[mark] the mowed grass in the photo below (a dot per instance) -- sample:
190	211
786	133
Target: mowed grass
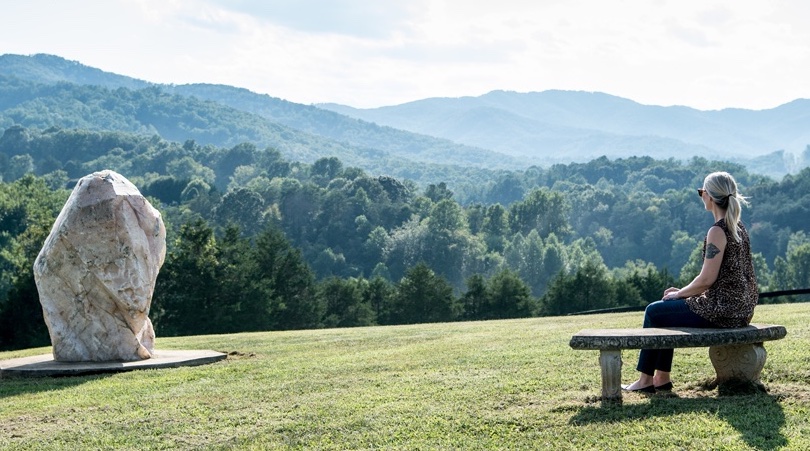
480	385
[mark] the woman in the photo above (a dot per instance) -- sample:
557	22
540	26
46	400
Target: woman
722	295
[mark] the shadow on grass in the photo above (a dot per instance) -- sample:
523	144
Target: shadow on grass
758	418
16	386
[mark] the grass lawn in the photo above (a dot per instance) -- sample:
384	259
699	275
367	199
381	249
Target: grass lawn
480	385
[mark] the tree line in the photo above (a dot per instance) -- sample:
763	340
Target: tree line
226	282
258	242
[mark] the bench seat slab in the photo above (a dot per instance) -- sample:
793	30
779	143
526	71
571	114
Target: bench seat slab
674	337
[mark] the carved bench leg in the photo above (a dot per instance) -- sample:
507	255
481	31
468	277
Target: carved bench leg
738	362
610	361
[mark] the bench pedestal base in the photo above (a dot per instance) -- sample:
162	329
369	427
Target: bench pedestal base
742	363
610	361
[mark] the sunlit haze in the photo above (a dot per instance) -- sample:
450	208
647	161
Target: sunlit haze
704	54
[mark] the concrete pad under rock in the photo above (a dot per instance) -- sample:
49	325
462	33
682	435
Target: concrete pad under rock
45	365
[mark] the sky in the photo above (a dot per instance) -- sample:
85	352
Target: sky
706	54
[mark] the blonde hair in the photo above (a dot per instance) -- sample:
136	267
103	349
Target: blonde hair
722	188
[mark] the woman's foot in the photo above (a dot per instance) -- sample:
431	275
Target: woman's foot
640	386
664	387
661	381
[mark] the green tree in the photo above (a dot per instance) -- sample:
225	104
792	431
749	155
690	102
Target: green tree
273	164
763	272
526	256
475	300
329	264
406	247
168	190
474	215
344	303
187	293
682	247
509	297
506	189
793	271
287	282
543	210
21	322
448	246
423	297
692	267
495	228
378	293
244	208
298	206
244	154
588	289
438	192
554	261
238	275
325	170
186	168
647	282
17	167
27	212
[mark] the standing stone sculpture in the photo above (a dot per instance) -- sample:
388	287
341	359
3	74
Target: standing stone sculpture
97	269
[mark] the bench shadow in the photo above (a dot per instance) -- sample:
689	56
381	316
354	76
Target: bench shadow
758	418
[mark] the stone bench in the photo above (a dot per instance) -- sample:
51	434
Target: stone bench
736	354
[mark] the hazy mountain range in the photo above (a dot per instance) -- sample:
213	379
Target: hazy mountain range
586	125
41	91
501	129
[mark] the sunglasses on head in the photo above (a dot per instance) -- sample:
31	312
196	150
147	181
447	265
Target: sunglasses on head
701	191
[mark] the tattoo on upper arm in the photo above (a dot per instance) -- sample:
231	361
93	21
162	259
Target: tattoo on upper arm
711	251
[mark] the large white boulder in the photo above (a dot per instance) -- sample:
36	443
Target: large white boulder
96	272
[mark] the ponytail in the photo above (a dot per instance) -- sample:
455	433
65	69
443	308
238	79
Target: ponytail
722	188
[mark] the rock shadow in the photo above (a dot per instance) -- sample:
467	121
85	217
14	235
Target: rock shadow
16	386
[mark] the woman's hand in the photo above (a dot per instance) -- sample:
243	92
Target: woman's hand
671	293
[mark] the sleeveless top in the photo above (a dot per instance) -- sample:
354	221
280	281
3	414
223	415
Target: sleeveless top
730	301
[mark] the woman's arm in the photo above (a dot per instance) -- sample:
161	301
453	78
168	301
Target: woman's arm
715	246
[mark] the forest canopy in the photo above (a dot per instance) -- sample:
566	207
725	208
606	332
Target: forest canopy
259	242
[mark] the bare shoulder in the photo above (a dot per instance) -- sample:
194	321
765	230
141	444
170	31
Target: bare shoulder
716	234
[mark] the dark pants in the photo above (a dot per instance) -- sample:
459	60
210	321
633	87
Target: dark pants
674	313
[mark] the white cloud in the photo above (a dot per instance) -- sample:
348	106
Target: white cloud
706	54
359	18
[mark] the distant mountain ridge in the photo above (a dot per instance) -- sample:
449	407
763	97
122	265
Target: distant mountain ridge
592	124
44	68
304	132
342	128
498	130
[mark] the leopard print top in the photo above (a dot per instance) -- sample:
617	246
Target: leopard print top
730	301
